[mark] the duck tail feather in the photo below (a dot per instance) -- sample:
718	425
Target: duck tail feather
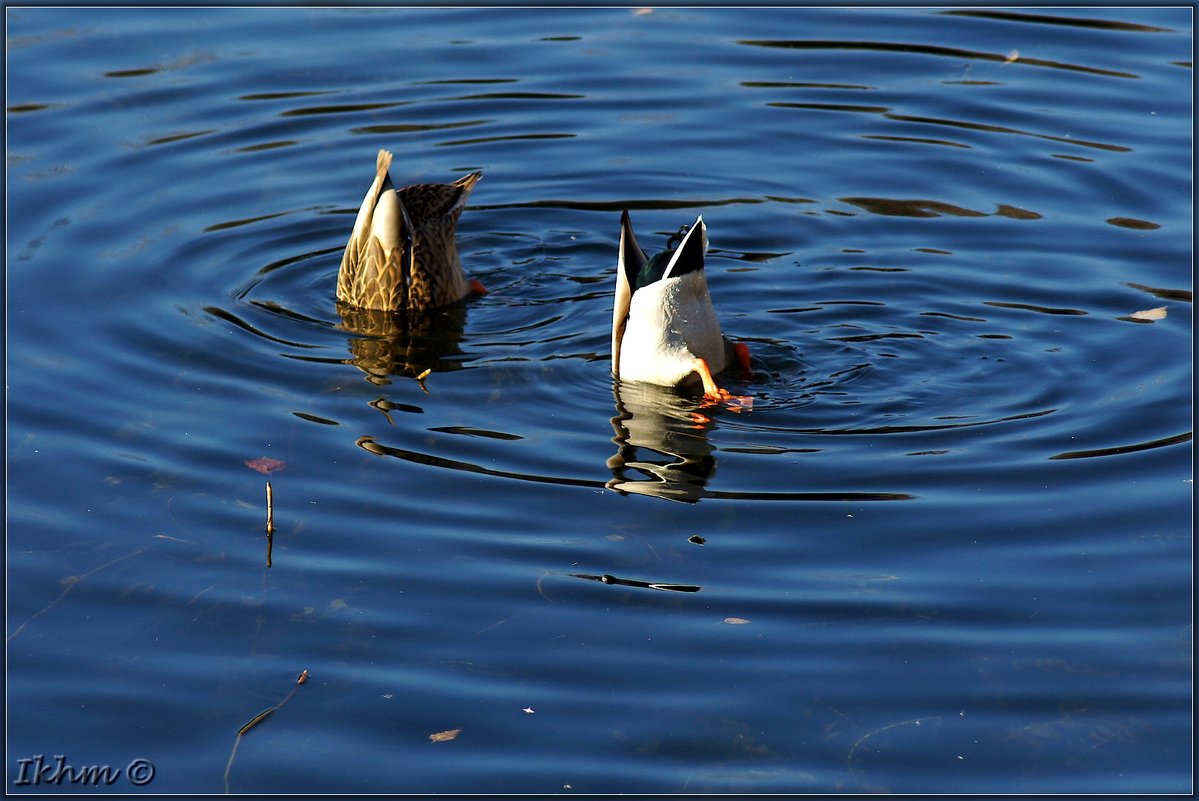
632	257
629	261
689	257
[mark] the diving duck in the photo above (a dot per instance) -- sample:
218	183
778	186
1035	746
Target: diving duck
401	255
664	329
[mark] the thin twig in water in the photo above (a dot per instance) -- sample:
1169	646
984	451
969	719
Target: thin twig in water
540	591
493	625
71	581
261	716
270	522
868	735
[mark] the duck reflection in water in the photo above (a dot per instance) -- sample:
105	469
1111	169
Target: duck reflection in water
662	446
401	284
386	344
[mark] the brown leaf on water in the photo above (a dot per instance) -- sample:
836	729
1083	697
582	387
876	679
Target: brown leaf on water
1150	314
735	621
265	464
444	736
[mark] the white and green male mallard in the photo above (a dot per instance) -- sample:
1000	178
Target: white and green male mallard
402	255
664	328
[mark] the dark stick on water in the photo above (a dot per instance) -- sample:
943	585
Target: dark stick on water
261	716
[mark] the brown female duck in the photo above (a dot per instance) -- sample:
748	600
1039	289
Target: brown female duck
401	255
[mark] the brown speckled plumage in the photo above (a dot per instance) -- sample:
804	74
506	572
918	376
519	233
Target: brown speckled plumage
402	255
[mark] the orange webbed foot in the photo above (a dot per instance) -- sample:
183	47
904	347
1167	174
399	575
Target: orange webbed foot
734	403
476	288
714	395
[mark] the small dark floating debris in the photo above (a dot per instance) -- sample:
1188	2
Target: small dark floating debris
649	585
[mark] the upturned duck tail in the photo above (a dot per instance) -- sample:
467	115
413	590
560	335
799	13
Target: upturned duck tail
371	274
436	277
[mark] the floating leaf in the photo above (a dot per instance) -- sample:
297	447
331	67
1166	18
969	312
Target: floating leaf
1150	314
444	736
265	464
735	621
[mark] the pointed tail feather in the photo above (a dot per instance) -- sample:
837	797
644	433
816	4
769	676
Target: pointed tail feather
629	261
690	255
467	182
383	162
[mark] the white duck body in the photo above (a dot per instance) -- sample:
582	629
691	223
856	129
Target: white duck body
661	329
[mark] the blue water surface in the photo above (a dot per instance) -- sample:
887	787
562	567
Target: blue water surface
947	550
